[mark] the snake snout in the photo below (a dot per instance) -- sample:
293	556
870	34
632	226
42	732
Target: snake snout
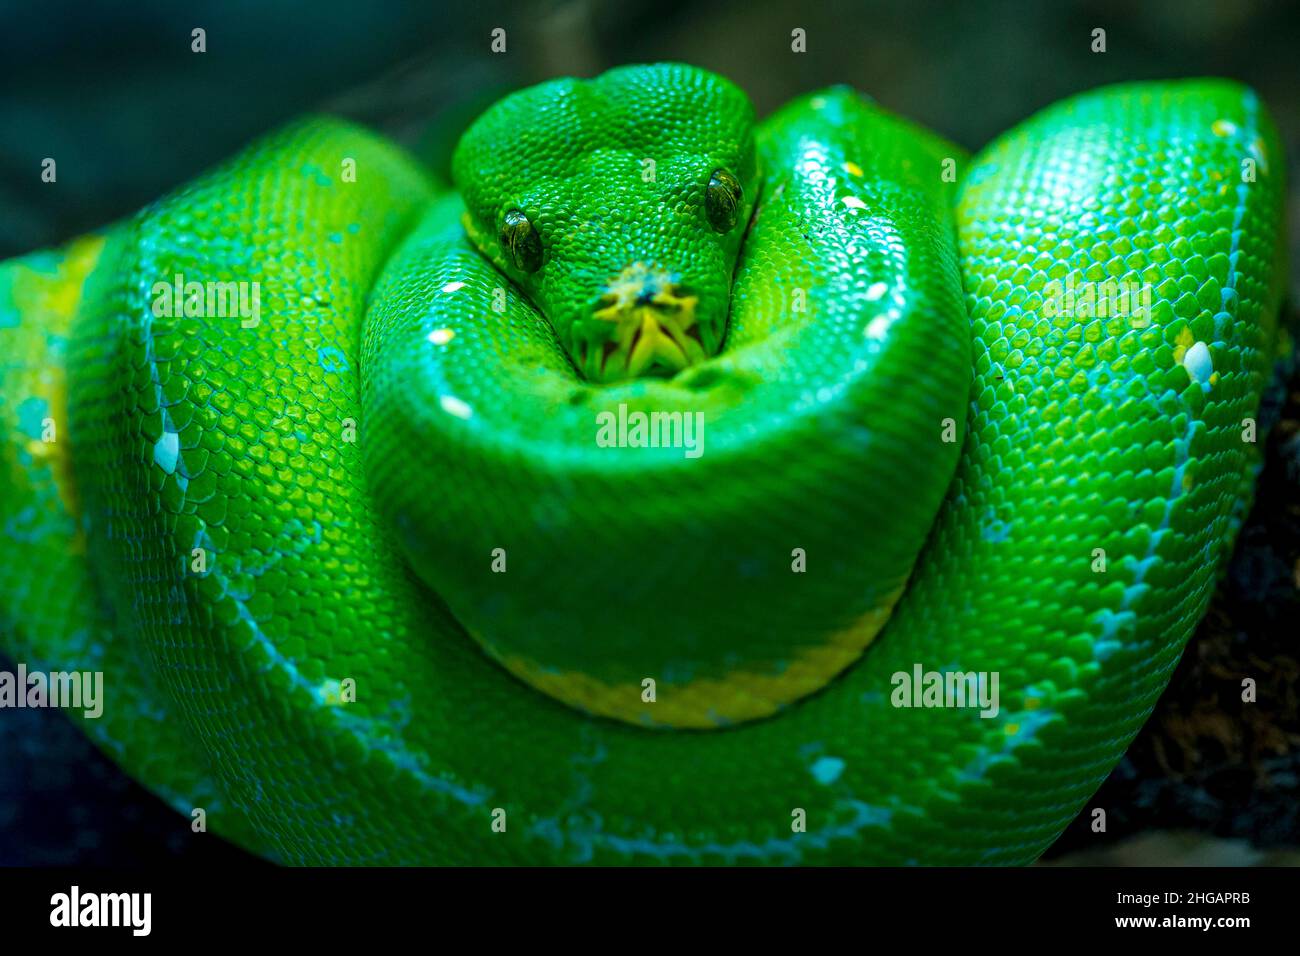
648	325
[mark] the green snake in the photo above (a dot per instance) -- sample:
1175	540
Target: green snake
602	508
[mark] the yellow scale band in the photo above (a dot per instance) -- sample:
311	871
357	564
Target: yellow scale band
48	302
711	702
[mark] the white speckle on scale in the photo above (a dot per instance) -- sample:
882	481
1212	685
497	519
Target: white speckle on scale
166	451
827	770
853	202
454	406
442	336
876	291
1199	364
878	327
453	286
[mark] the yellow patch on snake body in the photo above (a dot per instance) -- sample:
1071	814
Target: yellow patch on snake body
49	303
709	703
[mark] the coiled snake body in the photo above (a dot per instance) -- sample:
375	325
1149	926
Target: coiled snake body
368	584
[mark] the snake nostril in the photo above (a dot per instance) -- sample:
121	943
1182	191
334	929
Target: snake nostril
665	296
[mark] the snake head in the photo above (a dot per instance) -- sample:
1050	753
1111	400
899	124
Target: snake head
618	206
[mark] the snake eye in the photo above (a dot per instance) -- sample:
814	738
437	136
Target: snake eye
722	200
521	242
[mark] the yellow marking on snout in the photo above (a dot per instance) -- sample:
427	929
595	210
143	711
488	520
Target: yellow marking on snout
645	336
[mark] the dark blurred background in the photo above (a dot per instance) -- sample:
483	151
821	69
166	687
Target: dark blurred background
114	94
